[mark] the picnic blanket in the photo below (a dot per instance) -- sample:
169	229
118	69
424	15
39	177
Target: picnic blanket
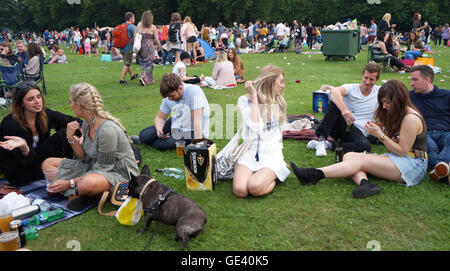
297	127
37	190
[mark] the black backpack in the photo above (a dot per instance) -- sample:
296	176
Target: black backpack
174	32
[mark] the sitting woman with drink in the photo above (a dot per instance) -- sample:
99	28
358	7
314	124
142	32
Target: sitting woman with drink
103	153
26	141
263	112
405	137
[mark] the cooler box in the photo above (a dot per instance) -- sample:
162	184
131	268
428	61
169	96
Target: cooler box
199	165
320	101
424	61
106	58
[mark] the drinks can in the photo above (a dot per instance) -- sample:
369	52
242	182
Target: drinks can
17	225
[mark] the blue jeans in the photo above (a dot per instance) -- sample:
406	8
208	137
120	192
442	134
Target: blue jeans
412	54
438	147
149	136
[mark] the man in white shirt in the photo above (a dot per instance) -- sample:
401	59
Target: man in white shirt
279	30
180	69
351	106
189	110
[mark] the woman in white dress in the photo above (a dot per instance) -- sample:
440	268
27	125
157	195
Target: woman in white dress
263	112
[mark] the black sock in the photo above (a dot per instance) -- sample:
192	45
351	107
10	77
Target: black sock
364	181
307	175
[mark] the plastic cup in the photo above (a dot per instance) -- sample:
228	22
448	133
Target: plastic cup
4	222
9	241
49	175
180	148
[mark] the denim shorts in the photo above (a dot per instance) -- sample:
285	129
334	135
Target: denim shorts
413	170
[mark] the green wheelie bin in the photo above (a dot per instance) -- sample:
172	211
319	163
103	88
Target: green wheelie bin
341	43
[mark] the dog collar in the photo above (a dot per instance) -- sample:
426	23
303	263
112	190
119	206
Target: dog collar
145	187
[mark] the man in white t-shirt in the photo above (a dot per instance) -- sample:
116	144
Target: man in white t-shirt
279	30
189	110
350	107
180	69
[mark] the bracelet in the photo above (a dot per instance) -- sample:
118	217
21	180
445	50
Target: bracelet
382	137
71	142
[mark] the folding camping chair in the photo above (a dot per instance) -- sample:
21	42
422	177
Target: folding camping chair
40	79
384	64
10	77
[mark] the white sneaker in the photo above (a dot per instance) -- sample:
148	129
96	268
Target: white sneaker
320	149
312	144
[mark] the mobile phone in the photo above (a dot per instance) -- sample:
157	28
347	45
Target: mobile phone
78	133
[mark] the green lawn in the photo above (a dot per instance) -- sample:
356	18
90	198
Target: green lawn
292	217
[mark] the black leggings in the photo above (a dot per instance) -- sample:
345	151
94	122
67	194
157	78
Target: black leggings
333	124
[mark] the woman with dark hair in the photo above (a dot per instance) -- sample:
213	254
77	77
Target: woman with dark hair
237	64
26	140
403	133
33	67
58	55
415	46
380	52
417	24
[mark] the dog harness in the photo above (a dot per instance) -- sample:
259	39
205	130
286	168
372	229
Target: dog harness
155	209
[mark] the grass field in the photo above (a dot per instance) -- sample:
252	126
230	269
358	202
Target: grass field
292	217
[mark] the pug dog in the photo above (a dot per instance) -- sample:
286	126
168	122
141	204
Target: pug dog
187	216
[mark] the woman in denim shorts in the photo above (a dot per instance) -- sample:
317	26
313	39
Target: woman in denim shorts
401	129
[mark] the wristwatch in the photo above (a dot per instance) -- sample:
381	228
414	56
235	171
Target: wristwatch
72	183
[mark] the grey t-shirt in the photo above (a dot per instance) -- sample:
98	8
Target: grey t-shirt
193	98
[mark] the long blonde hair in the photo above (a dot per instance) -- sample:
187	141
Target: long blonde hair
88	96
265	89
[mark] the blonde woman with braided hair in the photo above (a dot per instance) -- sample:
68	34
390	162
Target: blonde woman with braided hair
102	152
263	112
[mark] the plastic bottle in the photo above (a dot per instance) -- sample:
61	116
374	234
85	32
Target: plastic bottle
44	217
339	151
172	172
31	233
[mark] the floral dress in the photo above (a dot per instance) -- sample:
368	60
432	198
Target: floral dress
145	57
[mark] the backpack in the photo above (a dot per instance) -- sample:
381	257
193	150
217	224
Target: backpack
120	39
314	31
174	32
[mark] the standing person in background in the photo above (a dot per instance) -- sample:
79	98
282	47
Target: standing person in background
165	52
385	24
191	38
174	41
127	51
417	24
372	31
437	35
310	37
445	35
145	55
